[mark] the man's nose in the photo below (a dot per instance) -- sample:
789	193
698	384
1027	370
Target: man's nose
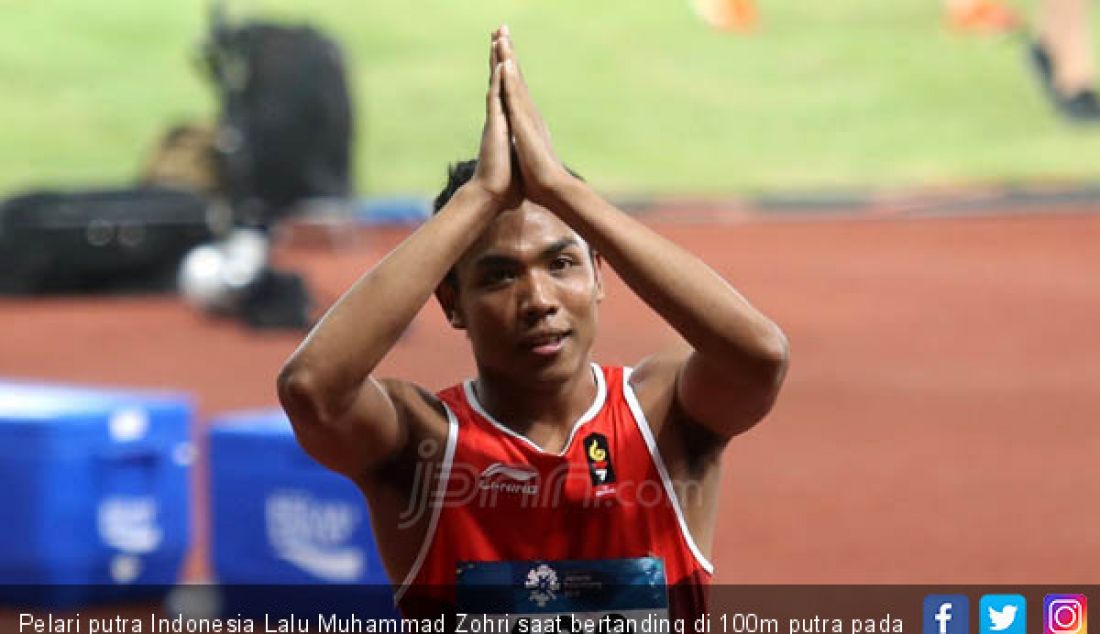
537	298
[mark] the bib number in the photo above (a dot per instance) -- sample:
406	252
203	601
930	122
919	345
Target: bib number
615	595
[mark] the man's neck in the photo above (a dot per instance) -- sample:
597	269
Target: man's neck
524	408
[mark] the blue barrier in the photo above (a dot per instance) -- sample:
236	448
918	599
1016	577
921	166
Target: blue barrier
281	518
96	485
278	516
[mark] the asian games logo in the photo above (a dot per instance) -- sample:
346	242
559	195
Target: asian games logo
542	581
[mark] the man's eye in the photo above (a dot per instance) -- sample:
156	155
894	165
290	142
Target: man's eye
560	263
496	277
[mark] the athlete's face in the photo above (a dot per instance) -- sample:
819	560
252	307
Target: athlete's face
527	295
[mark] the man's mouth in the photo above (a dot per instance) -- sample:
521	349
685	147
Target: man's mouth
547	343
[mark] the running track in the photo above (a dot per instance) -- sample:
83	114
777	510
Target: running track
940	422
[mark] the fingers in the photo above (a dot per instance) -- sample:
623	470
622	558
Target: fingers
514	83
524	121
494	54
515	131
508	95
493	161
494	106
515	98
517	101
501	33
506	49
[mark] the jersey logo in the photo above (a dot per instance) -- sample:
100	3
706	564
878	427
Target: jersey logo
510	479
598	453
518	472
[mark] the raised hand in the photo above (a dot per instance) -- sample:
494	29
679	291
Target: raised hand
540	169
495	174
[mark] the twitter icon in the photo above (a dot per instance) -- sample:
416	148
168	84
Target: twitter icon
1002	614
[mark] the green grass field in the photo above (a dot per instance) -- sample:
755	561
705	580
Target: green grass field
641	97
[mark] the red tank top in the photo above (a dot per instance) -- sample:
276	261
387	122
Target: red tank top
607	495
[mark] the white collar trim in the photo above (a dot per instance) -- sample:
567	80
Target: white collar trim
597	405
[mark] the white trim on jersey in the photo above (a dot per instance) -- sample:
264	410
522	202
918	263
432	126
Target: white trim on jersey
651	443
597	405
437	502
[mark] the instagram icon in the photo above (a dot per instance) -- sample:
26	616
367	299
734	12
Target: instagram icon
1065	614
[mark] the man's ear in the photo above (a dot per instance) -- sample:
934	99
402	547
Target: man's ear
448	300
597	271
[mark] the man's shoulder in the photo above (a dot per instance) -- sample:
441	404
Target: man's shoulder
424	425
416	406
654	378
654	381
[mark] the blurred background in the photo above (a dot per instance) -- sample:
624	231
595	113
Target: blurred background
643	98
899	184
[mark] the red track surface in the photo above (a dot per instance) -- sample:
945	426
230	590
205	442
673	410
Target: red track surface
940	423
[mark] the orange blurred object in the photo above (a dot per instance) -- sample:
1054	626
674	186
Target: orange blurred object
982	16
727	15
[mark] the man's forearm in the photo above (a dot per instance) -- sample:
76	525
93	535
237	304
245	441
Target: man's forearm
713	317
365	323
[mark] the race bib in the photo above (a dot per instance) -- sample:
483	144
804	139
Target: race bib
615	595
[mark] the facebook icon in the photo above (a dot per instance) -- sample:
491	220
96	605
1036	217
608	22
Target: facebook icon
946	614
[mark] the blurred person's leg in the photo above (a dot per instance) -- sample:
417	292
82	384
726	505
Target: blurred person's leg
981	16
1066	34
1064	58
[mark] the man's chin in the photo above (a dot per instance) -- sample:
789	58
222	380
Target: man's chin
561	369
541	371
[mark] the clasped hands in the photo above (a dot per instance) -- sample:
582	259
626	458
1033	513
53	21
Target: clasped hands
516	159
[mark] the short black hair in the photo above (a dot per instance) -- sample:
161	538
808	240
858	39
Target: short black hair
458	174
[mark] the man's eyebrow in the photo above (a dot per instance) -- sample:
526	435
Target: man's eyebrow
490	260
559	246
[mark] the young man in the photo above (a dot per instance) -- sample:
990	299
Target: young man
545	455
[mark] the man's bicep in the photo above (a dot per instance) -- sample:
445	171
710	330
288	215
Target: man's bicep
681	386
726	403
366	434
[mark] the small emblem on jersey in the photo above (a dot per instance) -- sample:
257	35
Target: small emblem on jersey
510	479
598	452
542	581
